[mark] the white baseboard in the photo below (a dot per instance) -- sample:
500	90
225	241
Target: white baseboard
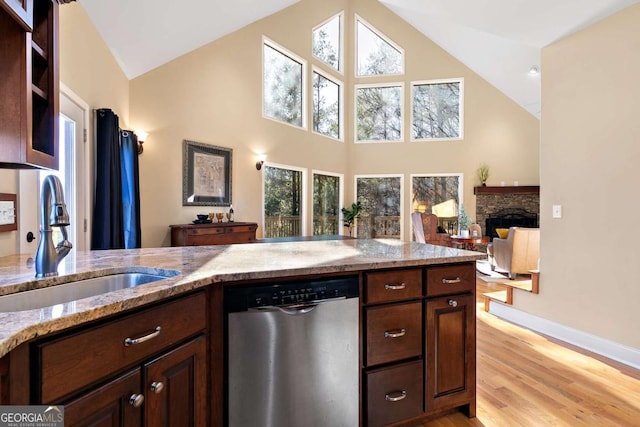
613	350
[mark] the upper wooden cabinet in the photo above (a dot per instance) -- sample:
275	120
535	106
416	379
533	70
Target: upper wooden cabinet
29	87
21	10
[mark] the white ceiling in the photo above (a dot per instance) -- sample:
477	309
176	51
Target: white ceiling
498	39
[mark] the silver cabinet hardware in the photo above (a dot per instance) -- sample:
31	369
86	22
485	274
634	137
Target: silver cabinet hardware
130	341
136	400
395	396
397	333
157	387
453	303
451	281
393	287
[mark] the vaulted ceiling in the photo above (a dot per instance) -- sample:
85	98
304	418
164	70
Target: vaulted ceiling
499	39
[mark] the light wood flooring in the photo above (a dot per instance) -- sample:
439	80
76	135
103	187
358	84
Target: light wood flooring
525	379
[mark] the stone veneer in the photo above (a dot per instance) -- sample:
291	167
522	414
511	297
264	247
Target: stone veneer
490	200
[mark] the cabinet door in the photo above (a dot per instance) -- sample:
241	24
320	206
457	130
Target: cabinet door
450	348
113	404
176	387
20	9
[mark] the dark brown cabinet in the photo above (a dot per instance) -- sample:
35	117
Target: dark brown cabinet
222	233
418	343
29	84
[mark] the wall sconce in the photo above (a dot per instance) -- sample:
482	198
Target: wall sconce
142	137
260	161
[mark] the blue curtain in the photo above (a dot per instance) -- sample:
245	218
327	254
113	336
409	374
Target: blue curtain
116	209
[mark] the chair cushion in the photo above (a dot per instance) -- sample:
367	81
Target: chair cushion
503	233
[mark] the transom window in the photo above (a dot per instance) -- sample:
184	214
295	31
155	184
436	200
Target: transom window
379	112
327	105
283	85
375	53
436	110
327	42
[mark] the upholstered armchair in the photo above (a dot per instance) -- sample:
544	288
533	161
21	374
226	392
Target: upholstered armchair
518	253
425	229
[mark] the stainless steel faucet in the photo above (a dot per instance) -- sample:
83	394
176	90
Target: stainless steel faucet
53	213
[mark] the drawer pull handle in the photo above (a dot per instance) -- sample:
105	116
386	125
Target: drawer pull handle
157	387
393	287
395	334
136	400
129	341
451	281
395	396
453	303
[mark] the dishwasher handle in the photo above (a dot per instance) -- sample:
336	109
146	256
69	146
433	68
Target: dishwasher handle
294	309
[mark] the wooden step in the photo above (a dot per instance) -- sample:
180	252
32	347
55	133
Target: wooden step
525	285
535	281
505	296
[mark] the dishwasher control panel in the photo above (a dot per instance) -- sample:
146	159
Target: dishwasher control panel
241	298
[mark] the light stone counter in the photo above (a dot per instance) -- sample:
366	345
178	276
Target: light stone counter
199	266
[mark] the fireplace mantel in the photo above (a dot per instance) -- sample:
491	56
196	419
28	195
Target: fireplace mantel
521	189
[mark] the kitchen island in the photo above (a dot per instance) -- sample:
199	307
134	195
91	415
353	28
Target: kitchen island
26	336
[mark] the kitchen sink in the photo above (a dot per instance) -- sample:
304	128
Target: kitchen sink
66	292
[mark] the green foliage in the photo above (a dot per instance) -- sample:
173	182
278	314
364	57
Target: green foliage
483	173
463	220
349	215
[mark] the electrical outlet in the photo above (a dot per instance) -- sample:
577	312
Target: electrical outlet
557	211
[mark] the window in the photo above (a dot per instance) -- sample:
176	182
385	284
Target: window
379	112
376	54
283	199
327	42
381	199
283	85
327	202
327	105
437	110
440	195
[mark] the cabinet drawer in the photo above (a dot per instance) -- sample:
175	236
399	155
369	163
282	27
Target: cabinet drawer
394	285
393	332
205	231
67	363
394	394
451	279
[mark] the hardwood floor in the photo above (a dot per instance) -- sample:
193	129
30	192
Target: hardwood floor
525	379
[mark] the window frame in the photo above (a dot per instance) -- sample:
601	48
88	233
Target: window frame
373	29
355	112
303	197
304	102
382	175
341	122
341	55
415	83
340	177
460	176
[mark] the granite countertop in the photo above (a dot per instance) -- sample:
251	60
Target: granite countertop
199	266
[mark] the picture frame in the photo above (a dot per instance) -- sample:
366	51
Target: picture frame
206	174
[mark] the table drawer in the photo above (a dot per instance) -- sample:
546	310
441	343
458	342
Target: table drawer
394	394
451	279
393	285
206	231
66	362
393	332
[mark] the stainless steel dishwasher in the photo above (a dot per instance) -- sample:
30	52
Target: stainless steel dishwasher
293	354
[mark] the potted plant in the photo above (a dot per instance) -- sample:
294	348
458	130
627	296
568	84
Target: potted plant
483	174
349	216
463	222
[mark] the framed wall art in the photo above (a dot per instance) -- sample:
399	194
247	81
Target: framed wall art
206	174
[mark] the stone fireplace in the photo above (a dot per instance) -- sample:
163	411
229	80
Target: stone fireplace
504	207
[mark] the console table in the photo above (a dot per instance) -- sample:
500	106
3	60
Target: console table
217	233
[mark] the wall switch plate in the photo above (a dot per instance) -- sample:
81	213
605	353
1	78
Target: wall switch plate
557	211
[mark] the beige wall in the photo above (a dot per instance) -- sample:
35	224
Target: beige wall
214	95
590	146
8	239
87	66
